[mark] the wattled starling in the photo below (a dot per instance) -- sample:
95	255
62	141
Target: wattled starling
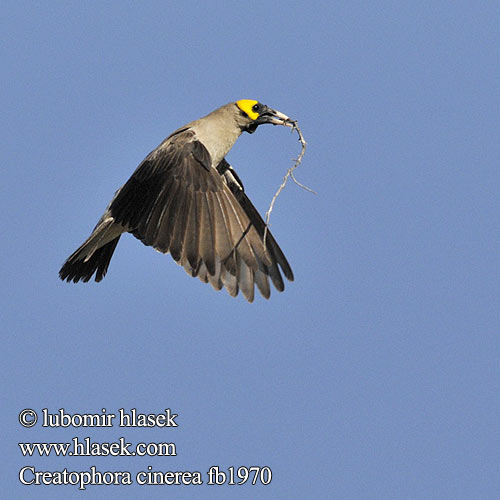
185	199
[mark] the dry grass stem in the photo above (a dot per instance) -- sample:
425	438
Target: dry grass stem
294	126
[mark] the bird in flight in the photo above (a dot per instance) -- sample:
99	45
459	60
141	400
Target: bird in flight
185	199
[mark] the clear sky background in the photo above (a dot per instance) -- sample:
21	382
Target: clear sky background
376	374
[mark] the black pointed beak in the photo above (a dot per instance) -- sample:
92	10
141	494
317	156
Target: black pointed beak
272	116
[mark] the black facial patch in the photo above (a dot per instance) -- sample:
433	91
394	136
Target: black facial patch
250	128
257	108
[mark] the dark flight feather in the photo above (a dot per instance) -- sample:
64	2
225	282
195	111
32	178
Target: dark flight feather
176	202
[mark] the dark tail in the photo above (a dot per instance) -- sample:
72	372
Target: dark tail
76	268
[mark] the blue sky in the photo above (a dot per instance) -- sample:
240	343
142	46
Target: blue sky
375	375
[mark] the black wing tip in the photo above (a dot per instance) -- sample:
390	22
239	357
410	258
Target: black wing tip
287	271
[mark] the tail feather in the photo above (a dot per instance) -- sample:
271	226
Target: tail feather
79	268
94	254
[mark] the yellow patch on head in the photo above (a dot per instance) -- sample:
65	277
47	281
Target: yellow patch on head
246	106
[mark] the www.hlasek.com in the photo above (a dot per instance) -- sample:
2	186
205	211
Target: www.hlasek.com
88	448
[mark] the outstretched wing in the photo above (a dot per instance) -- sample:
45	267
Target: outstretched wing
177	203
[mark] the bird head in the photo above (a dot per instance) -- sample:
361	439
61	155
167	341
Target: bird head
252	113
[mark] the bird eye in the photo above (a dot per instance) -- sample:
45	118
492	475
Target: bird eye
256	107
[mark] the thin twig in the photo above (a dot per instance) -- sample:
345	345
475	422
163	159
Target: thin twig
294	126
